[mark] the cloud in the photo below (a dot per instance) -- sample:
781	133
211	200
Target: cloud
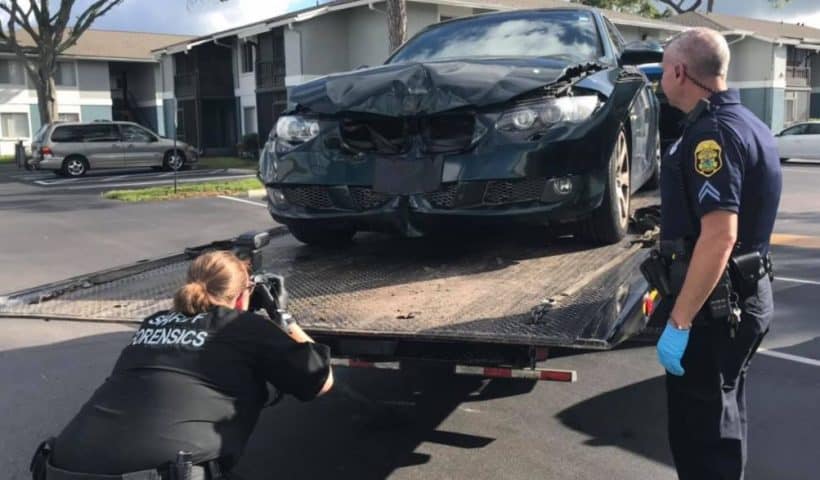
174	16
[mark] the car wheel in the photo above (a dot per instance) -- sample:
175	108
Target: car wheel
74	167
174	161
322	236
655	180
609	222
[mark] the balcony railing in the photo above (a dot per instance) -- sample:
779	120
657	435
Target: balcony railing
798	76
185	85
270	75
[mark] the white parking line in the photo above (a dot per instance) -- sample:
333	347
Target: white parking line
242	200
55	182
790	357
796	280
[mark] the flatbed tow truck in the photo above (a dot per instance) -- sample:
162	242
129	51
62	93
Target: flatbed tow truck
492	305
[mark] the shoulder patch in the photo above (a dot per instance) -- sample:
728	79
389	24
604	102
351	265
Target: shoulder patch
708	159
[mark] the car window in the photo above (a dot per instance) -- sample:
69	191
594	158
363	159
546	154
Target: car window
132	133
813	129
615	36
563	34
100	133
795	130
67	134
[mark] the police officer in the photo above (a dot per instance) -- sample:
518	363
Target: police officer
191	380
720	189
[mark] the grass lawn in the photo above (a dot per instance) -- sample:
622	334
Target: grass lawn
6	158
185	190
227	162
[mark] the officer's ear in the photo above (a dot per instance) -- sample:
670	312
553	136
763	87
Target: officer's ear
677	71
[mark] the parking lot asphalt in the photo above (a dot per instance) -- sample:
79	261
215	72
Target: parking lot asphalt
610	424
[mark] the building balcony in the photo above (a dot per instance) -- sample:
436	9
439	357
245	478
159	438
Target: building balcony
270	75
797	76
185	85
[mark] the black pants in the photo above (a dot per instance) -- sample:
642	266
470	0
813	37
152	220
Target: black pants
707	405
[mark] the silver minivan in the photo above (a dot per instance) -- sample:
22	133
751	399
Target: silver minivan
72	148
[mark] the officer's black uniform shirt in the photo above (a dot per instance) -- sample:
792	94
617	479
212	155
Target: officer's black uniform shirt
188	383
726	159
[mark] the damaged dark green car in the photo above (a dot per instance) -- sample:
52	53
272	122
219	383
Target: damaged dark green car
533	116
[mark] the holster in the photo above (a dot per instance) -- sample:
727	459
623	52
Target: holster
747	269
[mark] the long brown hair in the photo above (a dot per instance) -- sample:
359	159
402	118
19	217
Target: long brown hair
214	277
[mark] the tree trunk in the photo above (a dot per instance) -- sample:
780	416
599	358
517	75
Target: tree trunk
396	23
46	95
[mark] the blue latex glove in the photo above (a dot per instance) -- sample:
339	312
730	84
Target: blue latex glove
671	346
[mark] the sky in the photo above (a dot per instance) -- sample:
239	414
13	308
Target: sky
208	16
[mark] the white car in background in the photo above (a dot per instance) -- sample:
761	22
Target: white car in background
801	140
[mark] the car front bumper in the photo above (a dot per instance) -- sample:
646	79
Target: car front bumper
556	176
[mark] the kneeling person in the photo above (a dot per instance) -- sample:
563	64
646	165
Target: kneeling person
191	380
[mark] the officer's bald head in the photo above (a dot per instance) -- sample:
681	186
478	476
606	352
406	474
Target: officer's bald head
703	50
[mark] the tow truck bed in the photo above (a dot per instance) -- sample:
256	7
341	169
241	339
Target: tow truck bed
505	290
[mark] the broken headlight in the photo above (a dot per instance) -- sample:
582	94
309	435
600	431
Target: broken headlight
550	111
294	130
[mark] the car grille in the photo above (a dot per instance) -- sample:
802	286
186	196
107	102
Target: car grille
390	136
514	191
444	198
366	199
308	197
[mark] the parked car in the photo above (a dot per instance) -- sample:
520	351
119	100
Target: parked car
801	140
73	148
529	116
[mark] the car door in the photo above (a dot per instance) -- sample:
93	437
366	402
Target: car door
141	146
102	145
810	142
787	140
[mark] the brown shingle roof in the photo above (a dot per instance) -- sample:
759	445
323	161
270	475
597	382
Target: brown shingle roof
115	45
765	28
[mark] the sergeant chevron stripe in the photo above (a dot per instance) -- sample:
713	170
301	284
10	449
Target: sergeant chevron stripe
708	190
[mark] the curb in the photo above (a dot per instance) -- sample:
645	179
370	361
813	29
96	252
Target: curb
257	194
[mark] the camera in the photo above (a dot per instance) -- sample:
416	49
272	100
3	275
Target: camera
269	291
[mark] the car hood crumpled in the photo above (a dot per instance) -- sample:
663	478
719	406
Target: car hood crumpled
426	88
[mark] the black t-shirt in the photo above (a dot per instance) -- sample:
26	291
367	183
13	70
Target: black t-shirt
188	383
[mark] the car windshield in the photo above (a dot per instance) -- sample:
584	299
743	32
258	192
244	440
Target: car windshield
571	35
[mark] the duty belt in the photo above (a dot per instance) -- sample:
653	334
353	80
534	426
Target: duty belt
42	469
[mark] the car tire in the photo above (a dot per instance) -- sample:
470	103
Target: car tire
610	221
322	236
655	179
173	162
74	166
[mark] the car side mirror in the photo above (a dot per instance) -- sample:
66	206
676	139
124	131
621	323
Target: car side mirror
640	53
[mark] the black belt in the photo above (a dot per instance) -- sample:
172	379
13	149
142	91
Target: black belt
42	469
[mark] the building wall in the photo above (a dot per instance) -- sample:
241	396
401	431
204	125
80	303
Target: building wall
758	70
90	99
367	38
454	12
324	44
245	90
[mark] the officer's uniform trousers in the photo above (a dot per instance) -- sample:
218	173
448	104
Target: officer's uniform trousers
707	405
